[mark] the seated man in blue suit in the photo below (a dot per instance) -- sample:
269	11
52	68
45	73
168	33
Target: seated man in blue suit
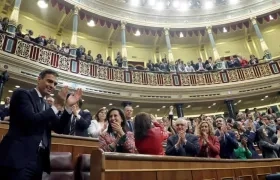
25	149
4	110
227	139
80	121
182	143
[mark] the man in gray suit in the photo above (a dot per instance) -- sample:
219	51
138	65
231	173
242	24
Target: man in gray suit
182	143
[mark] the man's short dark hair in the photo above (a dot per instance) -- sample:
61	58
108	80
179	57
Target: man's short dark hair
47	71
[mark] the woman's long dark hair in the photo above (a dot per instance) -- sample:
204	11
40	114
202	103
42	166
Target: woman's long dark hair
142	123
123	123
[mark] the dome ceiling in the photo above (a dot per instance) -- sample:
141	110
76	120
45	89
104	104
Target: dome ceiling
178	13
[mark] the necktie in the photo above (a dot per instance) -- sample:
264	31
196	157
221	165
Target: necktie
130	126
72	126
45	141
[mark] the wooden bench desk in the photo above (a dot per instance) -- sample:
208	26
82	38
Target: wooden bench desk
121	166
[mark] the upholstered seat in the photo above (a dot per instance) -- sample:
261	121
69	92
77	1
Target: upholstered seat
272	177
61	167
82	169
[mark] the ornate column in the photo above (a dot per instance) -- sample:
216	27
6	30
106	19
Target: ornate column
14	18
179	109
170	54
74	37
260	36
230	107
124	51
212	41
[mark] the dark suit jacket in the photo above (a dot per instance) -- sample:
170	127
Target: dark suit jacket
81	125
227	144
27	125
190	149
4	112
127	126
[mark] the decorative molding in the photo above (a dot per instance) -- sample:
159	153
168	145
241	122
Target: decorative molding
145	17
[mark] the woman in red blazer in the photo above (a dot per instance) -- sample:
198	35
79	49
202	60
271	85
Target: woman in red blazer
148	139
209	143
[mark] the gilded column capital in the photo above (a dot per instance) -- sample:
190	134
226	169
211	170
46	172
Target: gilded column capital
253	20
123	24
166	31
209	29
76	9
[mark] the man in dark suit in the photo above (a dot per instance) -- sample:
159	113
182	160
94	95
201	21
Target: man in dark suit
4	110
25	150
182	143
128	112
80	121
227	139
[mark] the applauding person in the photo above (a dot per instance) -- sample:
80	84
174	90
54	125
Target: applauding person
209	144
116	138
25	150
182	143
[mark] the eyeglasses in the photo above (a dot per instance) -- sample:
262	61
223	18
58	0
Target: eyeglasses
180	124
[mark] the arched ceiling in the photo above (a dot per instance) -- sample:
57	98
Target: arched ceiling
192	16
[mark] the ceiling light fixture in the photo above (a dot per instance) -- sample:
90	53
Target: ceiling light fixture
51	94
135	2
183	6
209	4
42	4
235	104
214	104
189	106
209	106
159	6
163	106
110	104
271	17
266	96
152	2
232	2
225	30
176	4
91	23
262	99
10	91
2	102
181	35
137	106
104	107
239	101
17	86
158	109
137	33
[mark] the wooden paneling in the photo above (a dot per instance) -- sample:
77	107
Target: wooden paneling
105	166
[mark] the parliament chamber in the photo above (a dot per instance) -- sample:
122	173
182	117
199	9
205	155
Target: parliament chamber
194	85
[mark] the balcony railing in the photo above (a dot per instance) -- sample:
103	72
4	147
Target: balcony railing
33	52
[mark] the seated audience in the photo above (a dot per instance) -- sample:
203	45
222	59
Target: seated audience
116	138
226	138
209	143
148	139
242	152
182	144
99	124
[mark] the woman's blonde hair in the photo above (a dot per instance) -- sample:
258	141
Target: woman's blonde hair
210	126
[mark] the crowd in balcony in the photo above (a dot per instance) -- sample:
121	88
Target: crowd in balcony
235	61
205	136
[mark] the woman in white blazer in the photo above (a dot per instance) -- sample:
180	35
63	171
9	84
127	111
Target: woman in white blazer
99	124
